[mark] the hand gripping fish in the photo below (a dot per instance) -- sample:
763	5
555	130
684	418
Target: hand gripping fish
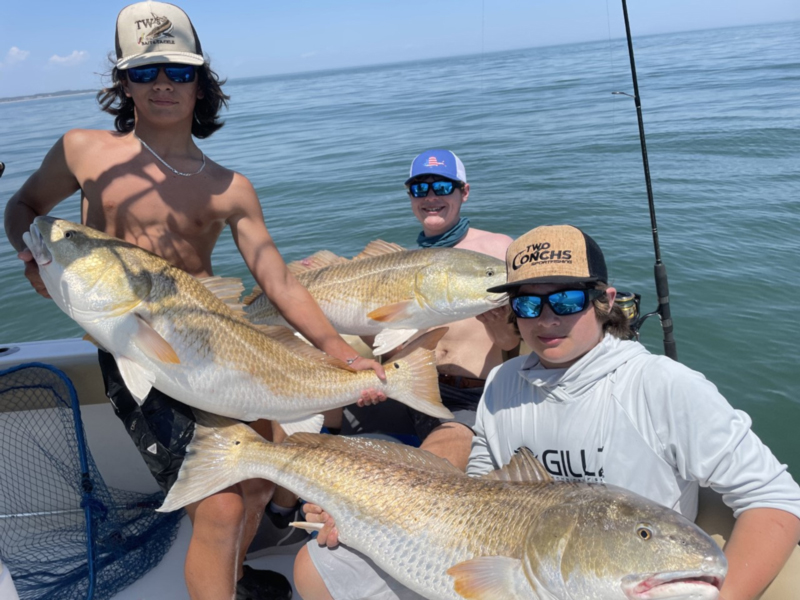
167	330
390	292
513	534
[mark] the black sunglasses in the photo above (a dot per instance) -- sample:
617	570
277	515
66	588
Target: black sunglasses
443	187
175	73
562	303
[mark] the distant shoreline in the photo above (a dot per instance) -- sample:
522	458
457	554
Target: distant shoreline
47	95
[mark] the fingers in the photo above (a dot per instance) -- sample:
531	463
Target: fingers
313	512
328	535
362	364
493	315
32	274
371	397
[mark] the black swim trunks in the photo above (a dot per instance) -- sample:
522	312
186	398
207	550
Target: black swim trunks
393	418
161	428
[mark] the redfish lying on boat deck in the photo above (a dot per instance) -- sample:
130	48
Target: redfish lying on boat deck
390	292
167	330
513	534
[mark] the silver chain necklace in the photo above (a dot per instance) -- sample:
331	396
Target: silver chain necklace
166	164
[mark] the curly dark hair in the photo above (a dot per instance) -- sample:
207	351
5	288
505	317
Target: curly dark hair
206	121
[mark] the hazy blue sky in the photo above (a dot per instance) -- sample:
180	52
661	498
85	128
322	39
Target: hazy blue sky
49	45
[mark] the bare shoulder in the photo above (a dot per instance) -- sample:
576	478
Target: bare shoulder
486	242
91	143
233	189
86	139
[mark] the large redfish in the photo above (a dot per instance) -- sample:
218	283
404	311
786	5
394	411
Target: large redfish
513	534
391	293
167	330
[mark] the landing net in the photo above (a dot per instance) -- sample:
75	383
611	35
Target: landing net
63	533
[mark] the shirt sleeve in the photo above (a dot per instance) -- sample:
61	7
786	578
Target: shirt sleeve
708	441
480	457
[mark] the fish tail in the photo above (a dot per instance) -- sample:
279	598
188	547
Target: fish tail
414	381
211	463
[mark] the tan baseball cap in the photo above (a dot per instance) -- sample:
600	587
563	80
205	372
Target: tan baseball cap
156	32
553	254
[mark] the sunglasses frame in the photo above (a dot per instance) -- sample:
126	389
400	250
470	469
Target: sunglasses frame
430	187
166	68
588	296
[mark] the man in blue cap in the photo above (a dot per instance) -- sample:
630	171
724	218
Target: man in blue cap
437	187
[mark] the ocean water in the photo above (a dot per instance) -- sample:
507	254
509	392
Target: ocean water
544	141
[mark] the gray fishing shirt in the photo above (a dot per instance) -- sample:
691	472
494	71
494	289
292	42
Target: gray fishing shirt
624	416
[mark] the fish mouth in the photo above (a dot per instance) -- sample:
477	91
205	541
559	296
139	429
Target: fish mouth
497	299
35	242
674	585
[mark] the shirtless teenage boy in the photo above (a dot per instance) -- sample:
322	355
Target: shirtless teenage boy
149	184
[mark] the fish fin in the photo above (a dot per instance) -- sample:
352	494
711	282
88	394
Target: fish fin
248	300
378	248
427	340
155	347
312	424
393	312
523	466
89	338
310	527
392	451
227	289
389	339
318	260
138	380
490	577
297	345
210	464
207	419
421	391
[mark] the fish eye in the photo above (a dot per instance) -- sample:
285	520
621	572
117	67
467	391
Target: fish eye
644	531
396	365
490	272
69	234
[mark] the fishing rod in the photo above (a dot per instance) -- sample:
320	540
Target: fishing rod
660	271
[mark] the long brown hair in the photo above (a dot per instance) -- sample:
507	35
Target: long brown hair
113	100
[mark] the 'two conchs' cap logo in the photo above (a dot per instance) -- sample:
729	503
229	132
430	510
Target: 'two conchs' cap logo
553	254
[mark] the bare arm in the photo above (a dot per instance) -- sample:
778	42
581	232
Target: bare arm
50	184
281	287
759	546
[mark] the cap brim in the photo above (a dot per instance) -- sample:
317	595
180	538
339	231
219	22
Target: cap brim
510	286
150	58
419	175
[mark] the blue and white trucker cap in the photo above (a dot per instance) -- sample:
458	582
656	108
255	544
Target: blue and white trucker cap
438	162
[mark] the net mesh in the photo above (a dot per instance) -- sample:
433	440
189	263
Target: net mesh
47	498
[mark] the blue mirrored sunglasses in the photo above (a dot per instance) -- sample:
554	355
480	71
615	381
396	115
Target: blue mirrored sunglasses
562	303
175	73
443	187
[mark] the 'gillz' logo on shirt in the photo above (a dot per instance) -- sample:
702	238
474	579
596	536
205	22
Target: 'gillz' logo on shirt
540	253
561	465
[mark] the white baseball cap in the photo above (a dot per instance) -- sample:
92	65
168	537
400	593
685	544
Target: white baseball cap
156	32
